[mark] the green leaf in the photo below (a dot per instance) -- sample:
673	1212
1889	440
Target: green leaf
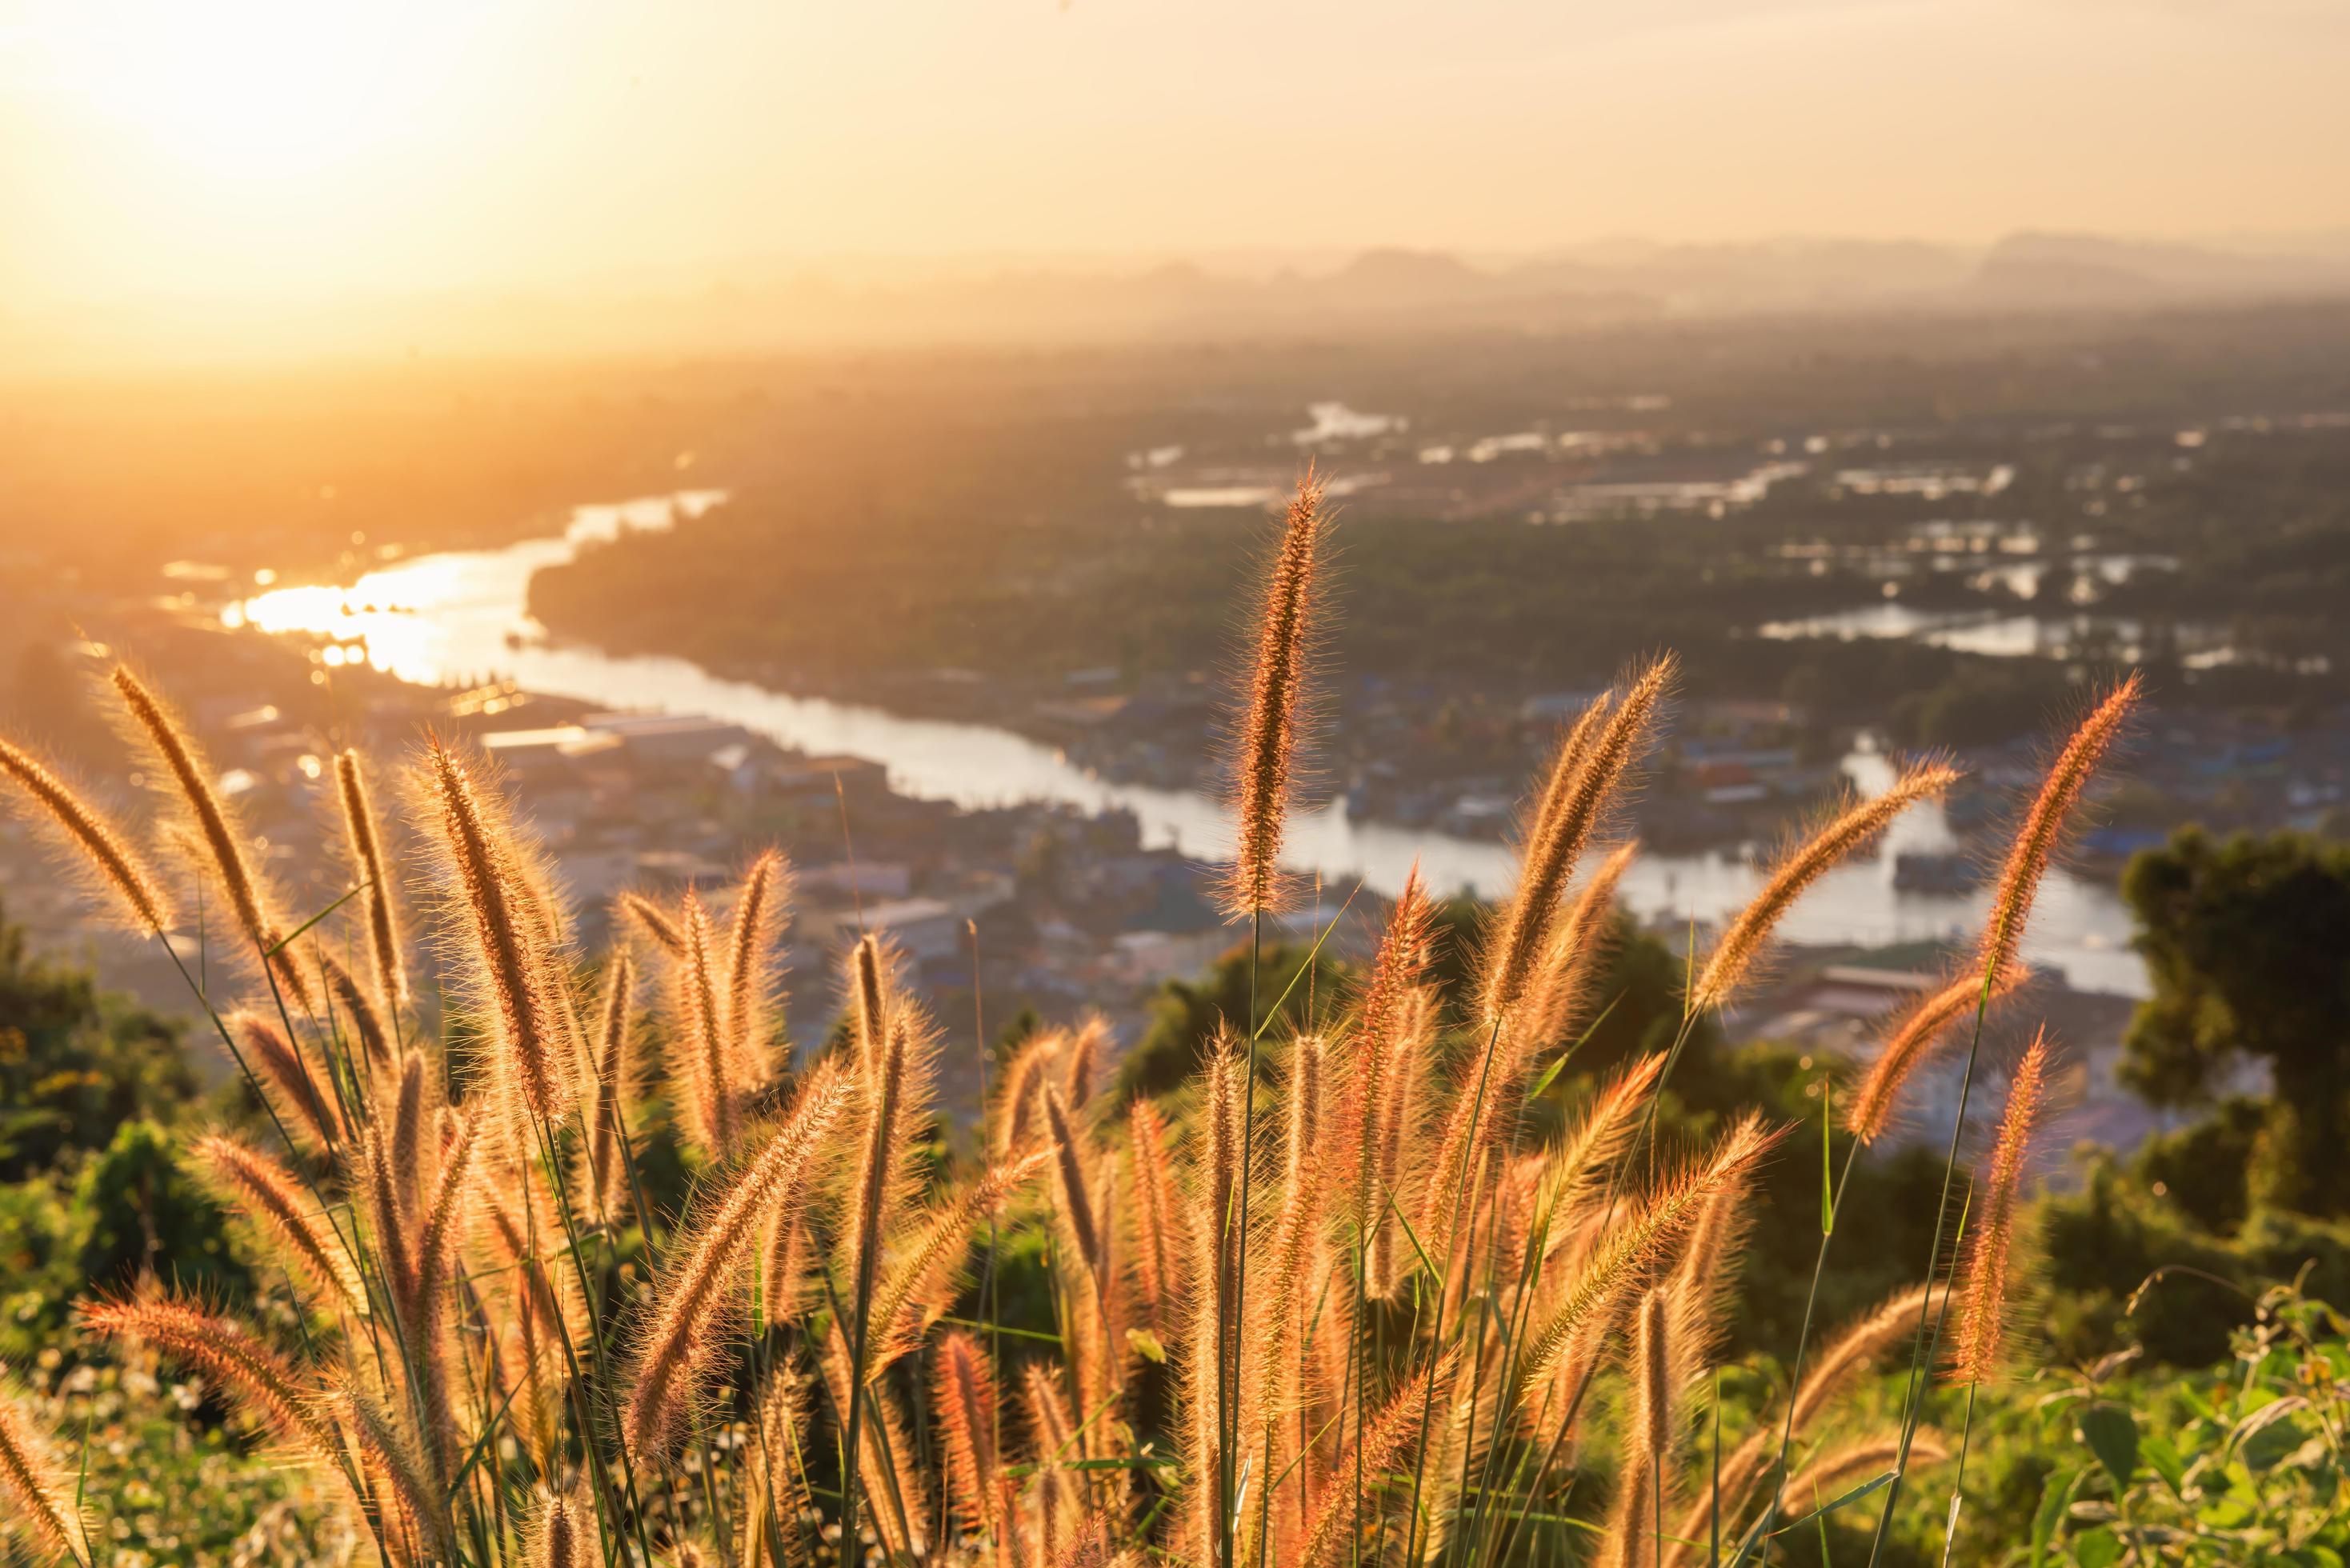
2161	1457
2053	1500
2110	1432
2100	1548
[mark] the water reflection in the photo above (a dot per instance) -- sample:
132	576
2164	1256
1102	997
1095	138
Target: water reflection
461	615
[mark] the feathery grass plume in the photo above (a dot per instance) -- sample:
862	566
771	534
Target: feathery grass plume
1556	996
963	1395
364	844
1212	1336
1163	1239
775	1500
1401	1125
919	1287
388	1462
1921	1030
388	1232
344	991
444	1218
249	893
1382	1447
2043	833
1016	1113
1645	1478
1592	1143
34	1480
1825	1478
1862	1344
410	1106
1083	1065
541	1320
703	1061
1279	688
1272	1375
1069	1191
890	1488
562	1533
760	908
515	969
1623	1258
78	827
306	1101
688	1296
1397	969
649	918
613	1086
266	1194
872	977
1053	1431
267	1386
1593	764
1989	1268
1851	829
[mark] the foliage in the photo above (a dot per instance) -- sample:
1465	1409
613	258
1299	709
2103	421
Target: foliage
2245	1465
75	1062
2243	942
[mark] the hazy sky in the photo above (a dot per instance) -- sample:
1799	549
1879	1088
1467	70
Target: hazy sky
270	148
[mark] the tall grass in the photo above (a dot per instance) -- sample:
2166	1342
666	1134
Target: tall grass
1365	1325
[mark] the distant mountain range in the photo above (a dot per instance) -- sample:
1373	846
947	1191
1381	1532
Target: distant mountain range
1380	291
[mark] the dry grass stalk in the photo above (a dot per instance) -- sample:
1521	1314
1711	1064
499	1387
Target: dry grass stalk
562	1533
871	974
919	1286
1846	833
1825	1478
1264	758
1084	1062
1398	971
93	842
611	1088
1920	1031
1069	1188
775	1498
356	1006
364	844
514	967
34	1482
759	912
1017	1104
648	918
1989	1266
2044	825
963	1393
1556	998
1644	1479
249	893
1618	1263
265	1192
1592	767
267	1386
1388	1438
302	1095
1163	1239
688	1298
704	1060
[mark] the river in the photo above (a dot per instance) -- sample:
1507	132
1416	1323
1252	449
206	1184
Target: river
461	615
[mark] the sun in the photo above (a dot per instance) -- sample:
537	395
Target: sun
261	89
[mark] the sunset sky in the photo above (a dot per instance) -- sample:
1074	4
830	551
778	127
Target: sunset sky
268	149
